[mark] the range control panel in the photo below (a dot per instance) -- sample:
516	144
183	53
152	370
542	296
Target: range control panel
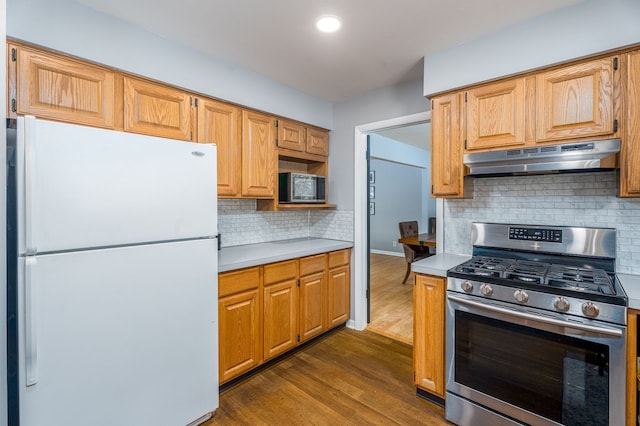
536	234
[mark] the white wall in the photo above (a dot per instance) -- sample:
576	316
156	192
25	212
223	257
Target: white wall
398	198
586	28
70	27
389	102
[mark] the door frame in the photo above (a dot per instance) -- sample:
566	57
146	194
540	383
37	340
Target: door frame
361	210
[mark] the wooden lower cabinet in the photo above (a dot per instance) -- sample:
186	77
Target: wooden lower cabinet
280	307
240	322
268	310
632	367
428	333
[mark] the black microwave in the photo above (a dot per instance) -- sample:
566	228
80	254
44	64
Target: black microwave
301	188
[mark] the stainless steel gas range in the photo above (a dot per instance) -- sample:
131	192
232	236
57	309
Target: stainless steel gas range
536	328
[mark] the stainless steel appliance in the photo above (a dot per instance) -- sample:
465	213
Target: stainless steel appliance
567	157
536	328
301	188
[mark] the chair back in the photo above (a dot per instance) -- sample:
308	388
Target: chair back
408	228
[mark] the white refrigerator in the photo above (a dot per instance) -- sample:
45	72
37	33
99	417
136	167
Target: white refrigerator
113	282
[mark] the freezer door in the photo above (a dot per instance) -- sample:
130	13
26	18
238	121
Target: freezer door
81	187
121	336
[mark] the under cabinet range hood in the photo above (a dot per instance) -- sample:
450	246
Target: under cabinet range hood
568	157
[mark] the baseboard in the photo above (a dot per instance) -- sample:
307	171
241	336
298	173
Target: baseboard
388	253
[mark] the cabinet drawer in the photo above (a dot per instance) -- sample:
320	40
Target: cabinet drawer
338	258
277	272
237	281
311	264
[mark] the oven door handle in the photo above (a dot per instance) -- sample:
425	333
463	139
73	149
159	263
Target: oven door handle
523	315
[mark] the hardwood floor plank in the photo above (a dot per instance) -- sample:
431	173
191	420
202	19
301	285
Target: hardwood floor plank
345	378
391	301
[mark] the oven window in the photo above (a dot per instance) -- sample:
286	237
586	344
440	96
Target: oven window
558	377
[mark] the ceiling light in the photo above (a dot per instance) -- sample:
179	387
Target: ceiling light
328	23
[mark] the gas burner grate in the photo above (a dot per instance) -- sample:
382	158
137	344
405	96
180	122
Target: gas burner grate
485	266
580	279
527	272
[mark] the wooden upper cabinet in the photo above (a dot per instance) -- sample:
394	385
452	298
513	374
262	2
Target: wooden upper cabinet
298	137
317	141
157	110
447	171
220	123
258	155
291	135
576	101
496	114
59	88
630	150
428	333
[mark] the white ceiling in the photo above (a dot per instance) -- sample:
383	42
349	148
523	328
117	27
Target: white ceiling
416	134
382	42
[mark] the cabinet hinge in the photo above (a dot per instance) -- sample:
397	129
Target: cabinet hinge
615	64
277	123
190	101
190	136
432	189
431	104
298	338
414	376
277	142
298	282
465	96
196	101
14	54
465	144
14	106
615	126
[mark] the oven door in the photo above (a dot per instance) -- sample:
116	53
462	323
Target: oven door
533	367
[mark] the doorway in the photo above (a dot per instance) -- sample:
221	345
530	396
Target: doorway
361	207
399	190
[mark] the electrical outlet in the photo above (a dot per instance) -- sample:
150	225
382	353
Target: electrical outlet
395	243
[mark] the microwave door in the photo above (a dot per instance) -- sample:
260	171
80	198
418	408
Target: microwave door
303	188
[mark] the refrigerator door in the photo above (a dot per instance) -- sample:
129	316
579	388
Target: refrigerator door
120	336
82	187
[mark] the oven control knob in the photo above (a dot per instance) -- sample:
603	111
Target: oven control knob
486	290
467	286
561	304
590	309
521	296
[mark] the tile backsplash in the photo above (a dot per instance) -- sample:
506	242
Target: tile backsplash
585	199
239	223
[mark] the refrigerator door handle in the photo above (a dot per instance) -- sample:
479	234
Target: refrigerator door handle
31	324
30	140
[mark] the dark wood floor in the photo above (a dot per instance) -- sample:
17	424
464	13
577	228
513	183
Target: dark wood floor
346	378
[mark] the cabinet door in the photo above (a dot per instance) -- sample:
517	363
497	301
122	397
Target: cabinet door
258	155
291	135
496	115
446	147
338	303
58	88
630	150
240	339
317	142
157	110
312	305
280	317
428	333
219	123
575	101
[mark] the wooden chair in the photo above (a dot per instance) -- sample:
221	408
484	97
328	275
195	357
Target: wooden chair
411	252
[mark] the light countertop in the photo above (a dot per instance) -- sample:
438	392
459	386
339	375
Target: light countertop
631	285
439	264
245	256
